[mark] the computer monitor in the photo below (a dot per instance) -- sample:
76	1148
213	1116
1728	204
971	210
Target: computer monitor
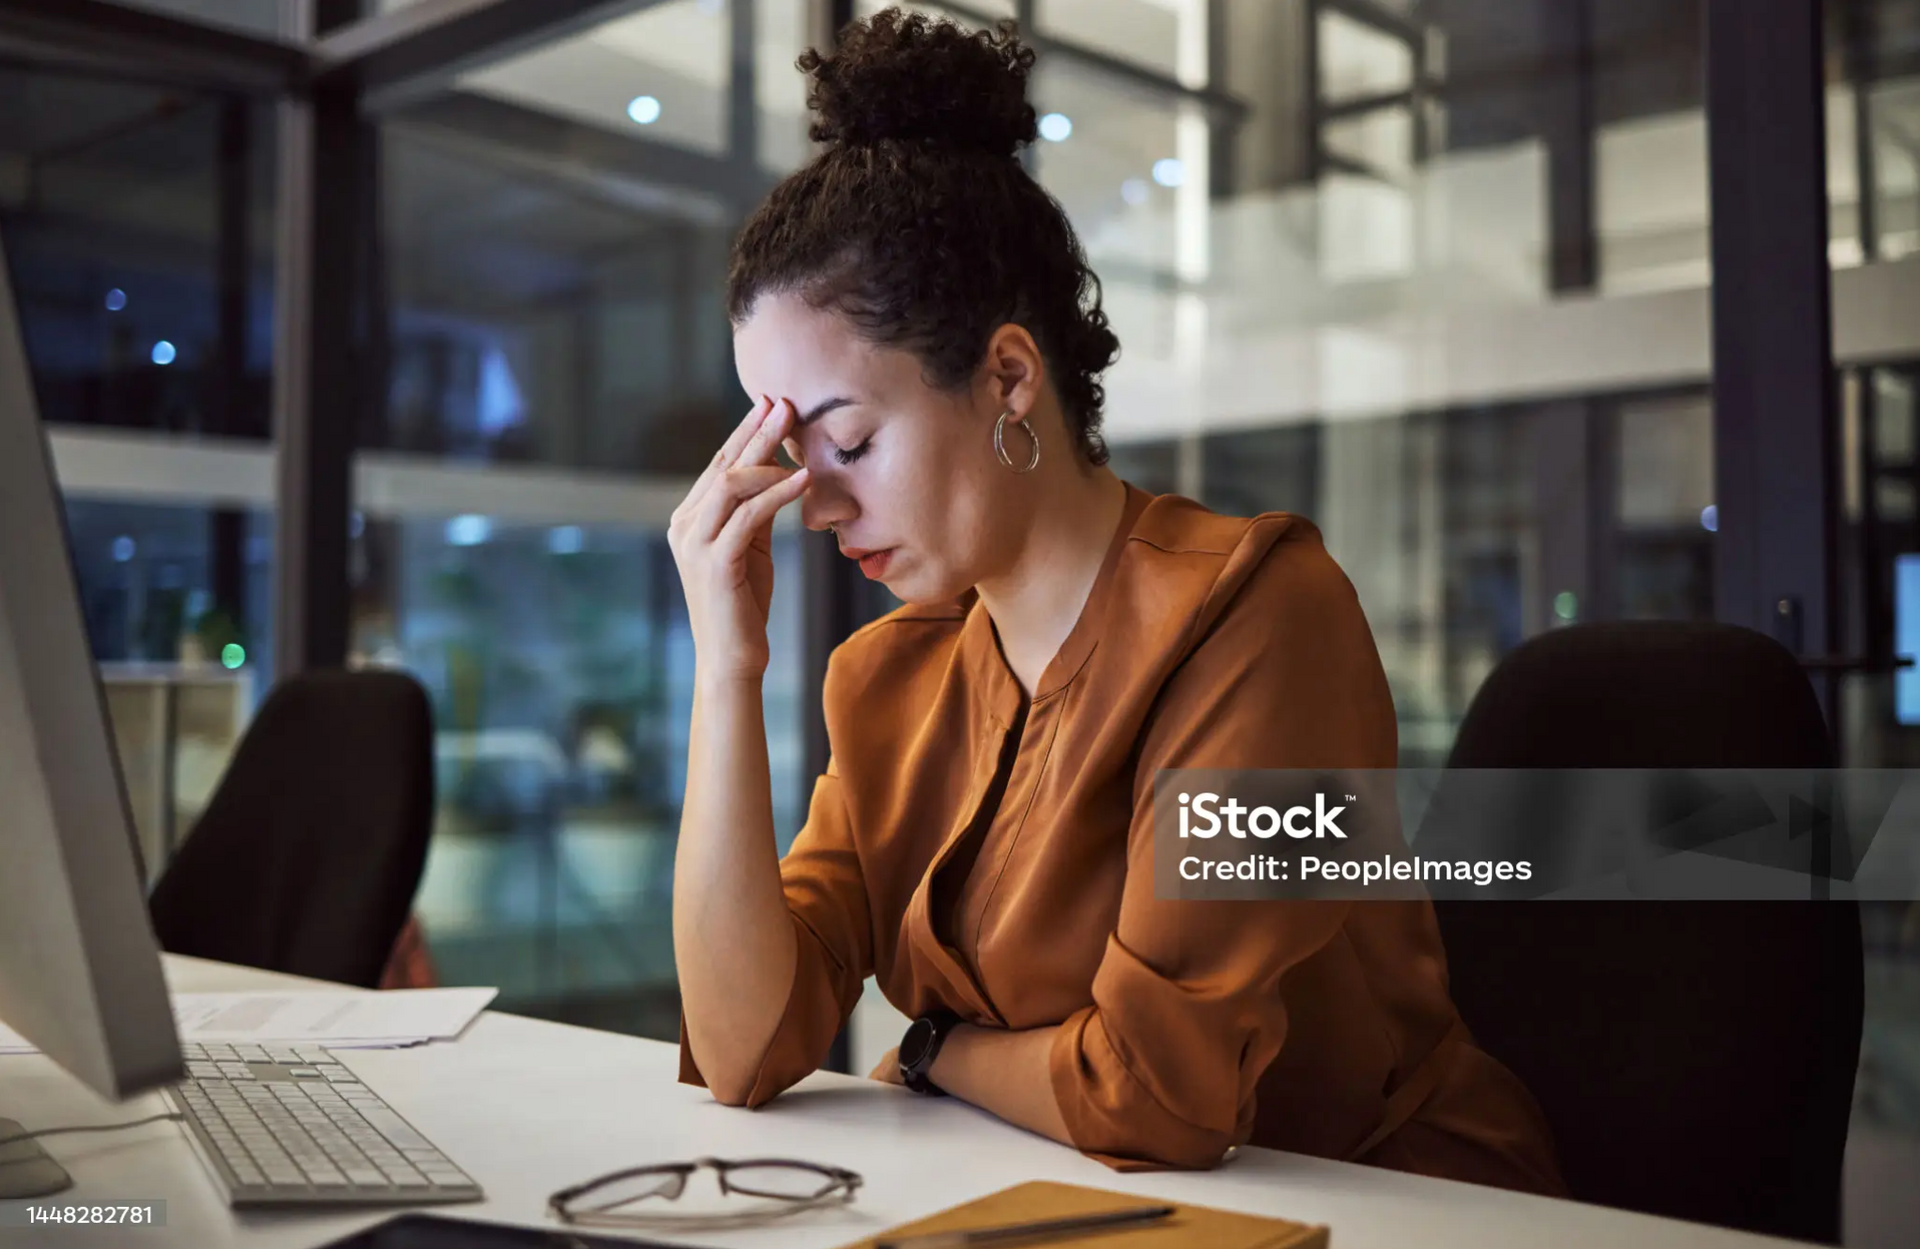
80	972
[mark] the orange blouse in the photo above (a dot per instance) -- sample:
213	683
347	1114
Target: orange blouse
981	851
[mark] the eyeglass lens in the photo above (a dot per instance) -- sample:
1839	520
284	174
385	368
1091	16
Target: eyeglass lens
778	1180
614	1193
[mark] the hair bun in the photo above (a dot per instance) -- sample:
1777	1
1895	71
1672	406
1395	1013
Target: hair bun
905	78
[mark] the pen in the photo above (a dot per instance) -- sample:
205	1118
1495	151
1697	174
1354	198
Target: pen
1045	1229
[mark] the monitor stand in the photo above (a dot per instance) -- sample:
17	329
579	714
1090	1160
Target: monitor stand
26	1170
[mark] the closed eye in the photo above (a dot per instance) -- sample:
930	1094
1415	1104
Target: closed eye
852	454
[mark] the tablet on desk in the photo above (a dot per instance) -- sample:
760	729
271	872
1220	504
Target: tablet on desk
428	1231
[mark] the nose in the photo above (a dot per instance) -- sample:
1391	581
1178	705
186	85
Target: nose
822	507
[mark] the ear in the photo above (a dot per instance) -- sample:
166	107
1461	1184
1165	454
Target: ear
1013	373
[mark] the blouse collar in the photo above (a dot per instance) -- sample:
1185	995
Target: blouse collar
987	667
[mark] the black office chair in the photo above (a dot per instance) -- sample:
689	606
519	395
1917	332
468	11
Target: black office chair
1696	1059
307	858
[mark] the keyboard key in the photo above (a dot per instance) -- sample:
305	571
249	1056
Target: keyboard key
305	1128
394	1128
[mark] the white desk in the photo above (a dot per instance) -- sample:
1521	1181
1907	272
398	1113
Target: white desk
528	1107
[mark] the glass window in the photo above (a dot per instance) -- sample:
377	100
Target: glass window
560	665
172	583
1116	165
1276	469
1360	328
1154	34
1358	59
1895	114
993	10
541	316
782	29
1873	190
1152	466
1666	512
660	73
1650	147
1873	120
1380	140
138	225
1666	462
560	367
259	17
178	606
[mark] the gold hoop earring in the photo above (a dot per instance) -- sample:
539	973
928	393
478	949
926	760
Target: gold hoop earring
1000	444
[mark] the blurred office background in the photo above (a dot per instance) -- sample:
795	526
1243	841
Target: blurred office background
1437	274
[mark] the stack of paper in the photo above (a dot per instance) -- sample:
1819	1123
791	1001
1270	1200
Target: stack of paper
349	1019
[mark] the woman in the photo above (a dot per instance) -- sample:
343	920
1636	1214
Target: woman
925	337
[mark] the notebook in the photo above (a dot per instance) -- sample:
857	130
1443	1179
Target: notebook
1189	1226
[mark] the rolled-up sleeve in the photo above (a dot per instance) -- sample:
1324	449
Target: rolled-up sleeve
833	938
1187	1013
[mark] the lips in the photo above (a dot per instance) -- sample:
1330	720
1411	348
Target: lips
872	562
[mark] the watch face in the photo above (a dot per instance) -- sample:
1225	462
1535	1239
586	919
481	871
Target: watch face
913	1046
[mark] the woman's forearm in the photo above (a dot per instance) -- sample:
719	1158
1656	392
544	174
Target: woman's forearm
733	940
1008	1074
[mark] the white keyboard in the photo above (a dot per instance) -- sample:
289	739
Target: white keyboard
287	1124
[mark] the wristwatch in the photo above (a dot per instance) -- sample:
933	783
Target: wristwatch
921	1046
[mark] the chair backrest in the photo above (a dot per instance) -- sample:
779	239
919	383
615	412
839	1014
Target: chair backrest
307	858
1696	1059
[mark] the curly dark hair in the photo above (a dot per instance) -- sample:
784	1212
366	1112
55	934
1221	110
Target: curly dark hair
918	223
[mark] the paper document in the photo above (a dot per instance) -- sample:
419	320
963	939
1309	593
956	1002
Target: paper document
323	1017
349	1019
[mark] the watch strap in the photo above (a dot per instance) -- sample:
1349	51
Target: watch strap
916	1075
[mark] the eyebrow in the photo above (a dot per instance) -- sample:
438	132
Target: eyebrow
821	409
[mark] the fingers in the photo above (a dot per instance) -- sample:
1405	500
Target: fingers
752	444
730	491
757	513
888	1069
728	454
768	436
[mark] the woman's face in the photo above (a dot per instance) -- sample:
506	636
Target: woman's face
897	465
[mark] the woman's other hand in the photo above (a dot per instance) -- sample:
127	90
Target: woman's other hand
888	1072
722	541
